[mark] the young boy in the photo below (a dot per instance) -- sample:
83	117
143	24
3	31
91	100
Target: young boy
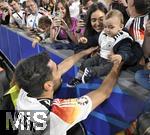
114	43
44	28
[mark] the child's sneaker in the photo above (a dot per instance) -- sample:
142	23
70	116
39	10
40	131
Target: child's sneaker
87	75
74	82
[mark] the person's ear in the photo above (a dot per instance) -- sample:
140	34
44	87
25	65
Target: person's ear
48	85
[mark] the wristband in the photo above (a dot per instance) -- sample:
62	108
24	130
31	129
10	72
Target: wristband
38	38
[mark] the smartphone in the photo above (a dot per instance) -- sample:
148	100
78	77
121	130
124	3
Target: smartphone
83	17
58	14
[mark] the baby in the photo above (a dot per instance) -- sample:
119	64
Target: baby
115	44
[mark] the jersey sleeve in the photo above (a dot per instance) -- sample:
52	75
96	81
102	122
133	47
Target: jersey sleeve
72	110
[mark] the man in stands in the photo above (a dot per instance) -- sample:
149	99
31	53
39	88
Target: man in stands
138	11
18	15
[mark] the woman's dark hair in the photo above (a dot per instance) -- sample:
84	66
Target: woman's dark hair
32	73
94	7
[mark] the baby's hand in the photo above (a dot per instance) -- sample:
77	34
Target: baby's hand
83	40
115	58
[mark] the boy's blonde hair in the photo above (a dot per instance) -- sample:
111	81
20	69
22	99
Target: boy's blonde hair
116	13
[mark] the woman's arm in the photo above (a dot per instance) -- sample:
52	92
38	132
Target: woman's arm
69	32
55	28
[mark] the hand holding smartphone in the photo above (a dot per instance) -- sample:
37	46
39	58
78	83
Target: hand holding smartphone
81	23
57	20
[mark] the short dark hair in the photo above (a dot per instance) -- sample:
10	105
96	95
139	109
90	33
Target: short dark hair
10	1
44	22
141	6
32	73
